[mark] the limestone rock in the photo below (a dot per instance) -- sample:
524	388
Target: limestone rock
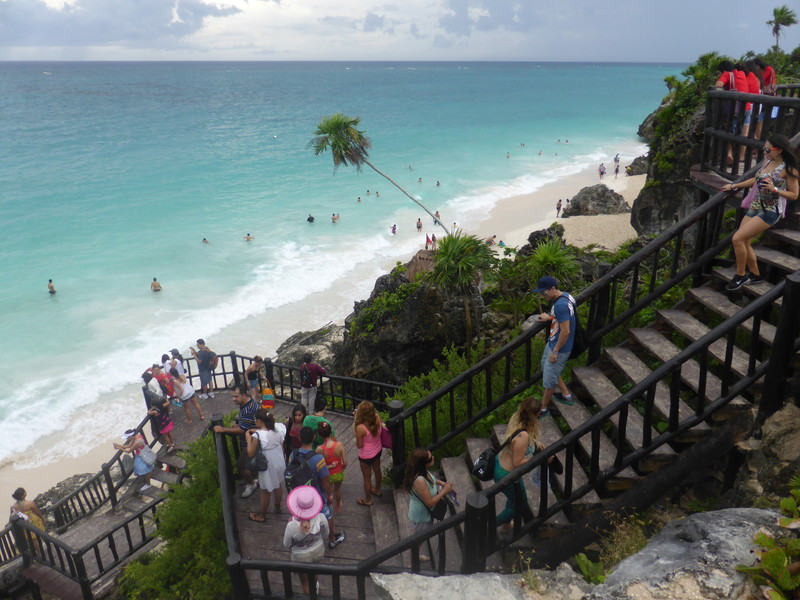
691	559
647	127
322	344
541	236
639	166
597	200
781	433
658	207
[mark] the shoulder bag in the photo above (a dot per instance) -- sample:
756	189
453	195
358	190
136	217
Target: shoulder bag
483	468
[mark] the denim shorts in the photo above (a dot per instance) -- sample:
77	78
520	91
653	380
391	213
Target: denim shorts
551	371
205	377
770	217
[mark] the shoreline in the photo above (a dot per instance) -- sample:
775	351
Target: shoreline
272	327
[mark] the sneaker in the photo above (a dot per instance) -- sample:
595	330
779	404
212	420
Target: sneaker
737	282
337	540
564	399
543	413
203	396
210	394
248	490
145	487
754	278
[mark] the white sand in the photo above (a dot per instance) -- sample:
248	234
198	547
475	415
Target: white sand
506	219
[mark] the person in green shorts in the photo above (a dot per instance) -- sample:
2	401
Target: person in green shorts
313	421
335	459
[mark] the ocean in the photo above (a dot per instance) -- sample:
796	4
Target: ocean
113	173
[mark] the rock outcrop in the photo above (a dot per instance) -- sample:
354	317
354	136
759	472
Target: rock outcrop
658	207
597	200
647	128
638	166
322	344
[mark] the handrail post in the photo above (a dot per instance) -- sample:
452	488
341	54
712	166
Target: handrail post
240	589
21	540
473	557
83	577
772	395
398	431
112	492
234	370
597	315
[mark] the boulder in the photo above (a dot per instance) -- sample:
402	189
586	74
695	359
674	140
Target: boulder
660	206
647	128
597	200
691	558
542	236
638	166
322	345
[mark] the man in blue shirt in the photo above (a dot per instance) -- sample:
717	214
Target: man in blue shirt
559	341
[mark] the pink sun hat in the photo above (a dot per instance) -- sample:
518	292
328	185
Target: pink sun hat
304	502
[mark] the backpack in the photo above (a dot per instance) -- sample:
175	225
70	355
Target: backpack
298	471
214	360
580	340
483	468
305	377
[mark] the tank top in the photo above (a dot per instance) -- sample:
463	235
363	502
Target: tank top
329	454
372	443
764	199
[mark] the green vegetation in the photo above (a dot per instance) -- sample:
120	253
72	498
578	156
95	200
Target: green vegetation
383	307
348	145
191	564
777	571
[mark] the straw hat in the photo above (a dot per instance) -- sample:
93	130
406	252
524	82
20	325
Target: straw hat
304	502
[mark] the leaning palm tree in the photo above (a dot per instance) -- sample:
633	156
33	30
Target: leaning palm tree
782	16
348	145
457	265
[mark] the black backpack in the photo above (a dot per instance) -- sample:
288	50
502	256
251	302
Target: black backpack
298	471
483	468
305	377
580	341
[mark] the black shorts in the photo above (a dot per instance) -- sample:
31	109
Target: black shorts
371	461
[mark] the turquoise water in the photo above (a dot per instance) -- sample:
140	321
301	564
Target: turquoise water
112	173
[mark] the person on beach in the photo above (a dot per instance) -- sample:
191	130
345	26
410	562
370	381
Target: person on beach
205	359
601	170
318	418
335	459
133	445
616	170
309	379
27	509
776	183
616	158
51	289
558	208
427	241
306	531
320	480
293	426
433	241
559	340
367	427
394	229
267	437
522	441
187	394
419	225
253	376
437	217
155	285
247	421
490	240
248	238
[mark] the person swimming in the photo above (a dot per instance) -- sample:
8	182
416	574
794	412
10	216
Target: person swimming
50	287
155	286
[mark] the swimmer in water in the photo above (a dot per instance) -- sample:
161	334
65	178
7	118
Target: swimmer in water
155	286
51	289
248	237
205	241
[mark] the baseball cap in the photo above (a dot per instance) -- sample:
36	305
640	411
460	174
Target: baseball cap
545	283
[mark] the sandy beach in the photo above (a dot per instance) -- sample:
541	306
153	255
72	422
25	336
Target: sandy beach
536	211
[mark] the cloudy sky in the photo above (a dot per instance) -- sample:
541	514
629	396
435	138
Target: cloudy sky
534	30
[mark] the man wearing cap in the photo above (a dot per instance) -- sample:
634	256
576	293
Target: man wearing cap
559	340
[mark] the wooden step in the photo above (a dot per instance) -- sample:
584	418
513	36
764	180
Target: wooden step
549	434
604	394
405	528
725	274
456	472
721	305
385	528
575	416
786	236
166	477
635	371
664	350
553	525
776	258
693	330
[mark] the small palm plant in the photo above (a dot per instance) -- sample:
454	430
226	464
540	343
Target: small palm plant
348	145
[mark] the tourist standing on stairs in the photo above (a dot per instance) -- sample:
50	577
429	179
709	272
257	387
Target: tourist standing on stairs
309	374
775	183
367	427
205	364
267	437
247	421
559	340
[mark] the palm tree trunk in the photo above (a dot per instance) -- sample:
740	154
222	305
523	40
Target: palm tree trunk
420	204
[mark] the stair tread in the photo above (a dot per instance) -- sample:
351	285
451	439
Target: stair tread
575	416
386	530
664	350
164	476
757	290
406	529
790	236
605	393
456	472
548	435
635	371
693	329
721	305
779	259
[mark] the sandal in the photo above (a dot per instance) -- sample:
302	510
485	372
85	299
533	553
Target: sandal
363	502
258	518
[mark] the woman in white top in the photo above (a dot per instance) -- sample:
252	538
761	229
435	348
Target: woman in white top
186	393
270	435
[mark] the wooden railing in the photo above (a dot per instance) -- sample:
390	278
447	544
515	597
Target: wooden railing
8	549
724	119
343	393
617	297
